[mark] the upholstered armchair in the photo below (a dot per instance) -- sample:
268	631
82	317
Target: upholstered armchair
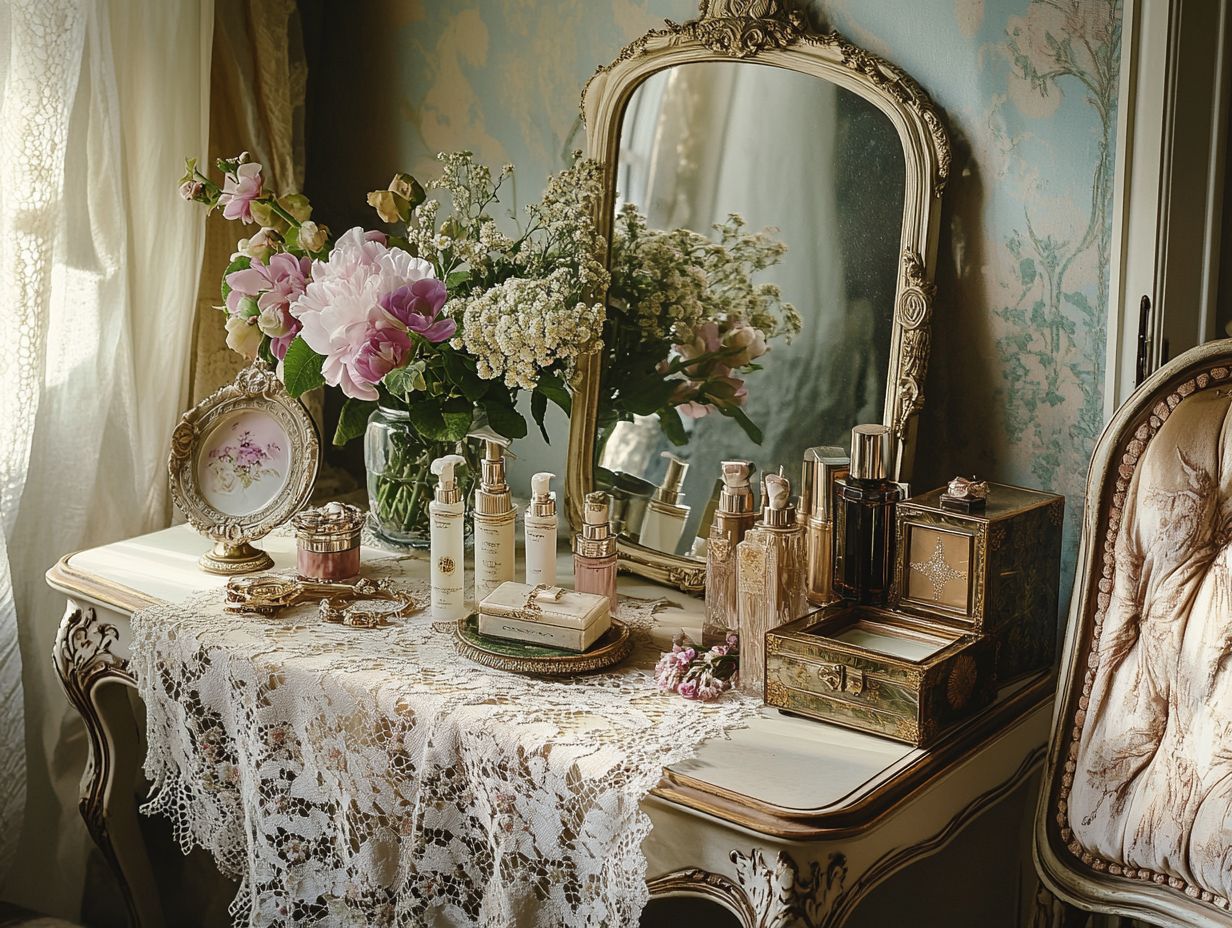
1135	816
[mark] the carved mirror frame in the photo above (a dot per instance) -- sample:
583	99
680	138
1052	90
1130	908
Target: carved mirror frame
772	33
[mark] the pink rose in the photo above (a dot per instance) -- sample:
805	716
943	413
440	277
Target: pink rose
747	344
240	190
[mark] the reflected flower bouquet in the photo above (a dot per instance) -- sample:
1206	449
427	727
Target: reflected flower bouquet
444	321
686	323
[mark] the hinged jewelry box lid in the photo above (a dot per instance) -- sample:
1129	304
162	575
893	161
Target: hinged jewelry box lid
545	605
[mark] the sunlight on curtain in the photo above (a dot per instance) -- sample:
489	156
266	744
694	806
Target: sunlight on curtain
99	101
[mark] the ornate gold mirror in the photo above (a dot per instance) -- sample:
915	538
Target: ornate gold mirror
834	162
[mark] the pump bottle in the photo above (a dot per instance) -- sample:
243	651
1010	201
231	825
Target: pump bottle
447	512
540	525
494	518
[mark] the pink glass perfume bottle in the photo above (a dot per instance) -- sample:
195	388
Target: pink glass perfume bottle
327	542
594	550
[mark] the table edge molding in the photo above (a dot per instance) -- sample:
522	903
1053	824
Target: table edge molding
856	816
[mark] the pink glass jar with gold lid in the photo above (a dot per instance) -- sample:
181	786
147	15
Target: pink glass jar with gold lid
327	542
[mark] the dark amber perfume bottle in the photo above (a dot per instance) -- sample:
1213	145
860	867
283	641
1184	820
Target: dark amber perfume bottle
864	520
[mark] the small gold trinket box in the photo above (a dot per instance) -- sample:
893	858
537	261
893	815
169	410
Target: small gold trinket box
993	569
544	615
878	671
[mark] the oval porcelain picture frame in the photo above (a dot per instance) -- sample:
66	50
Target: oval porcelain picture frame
243	461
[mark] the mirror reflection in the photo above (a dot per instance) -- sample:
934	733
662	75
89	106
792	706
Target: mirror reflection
765	208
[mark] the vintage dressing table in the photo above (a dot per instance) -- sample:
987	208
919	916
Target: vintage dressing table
790	822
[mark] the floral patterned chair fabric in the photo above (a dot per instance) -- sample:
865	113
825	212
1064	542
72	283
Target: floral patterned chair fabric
1136	812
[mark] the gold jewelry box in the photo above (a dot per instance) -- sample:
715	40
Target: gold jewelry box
992	569
879	671
544	615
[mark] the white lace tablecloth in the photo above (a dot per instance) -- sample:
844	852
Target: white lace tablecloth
374	777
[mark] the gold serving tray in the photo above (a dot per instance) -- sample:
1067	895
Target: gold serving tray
515	657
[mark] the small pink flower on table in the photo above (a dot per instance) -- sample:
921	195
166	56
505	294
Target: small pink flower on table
239	191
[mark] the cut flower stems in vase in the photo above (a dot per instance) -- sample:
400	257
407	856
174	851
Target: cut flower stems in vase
400	482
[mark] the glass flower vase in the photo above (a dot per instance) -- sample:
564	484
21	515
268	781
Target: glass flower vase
400	482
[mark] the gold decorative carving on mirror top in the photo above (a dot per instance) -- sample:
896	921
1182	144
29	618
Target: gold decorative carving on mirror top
744	28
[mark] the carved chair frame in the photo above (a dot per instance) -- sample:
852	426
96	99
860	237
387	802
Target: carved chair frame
773	33
1068	869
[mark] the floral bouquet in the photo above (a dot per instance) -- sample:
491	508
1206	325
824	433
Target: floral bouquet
701	675
437	328
686	323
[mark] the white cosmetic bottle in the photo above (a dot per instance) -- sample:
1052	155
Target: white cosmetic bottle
666	513
540	524
447	512
494	521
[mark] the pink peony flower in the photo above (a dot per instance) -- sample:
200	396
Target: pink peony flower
353	297
418	306
239	191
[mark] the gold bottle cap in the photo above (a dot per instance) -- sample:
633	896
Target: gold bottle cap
822	466
493	497
596	538
870	452
736	496
669	490
542	499
778	511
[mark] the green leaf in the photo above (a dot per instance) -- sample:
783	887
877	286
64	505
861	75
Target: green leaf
504	418
404	381
647	396
553	388
301	368
456	279
461	373
428	419
353	420
264	352
539	409
239	264
750	427
673	427
458	413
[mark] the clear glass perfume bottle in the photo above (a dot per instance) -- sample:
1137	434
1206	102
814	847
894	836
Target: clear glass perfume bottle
772	571
864	503
734	516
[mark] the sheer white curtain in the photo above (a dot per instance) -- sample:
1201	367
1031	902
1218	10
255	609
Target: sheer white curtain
99	102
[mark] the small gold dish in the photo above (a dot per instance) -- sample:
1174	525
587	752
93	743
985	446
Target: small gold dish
515	657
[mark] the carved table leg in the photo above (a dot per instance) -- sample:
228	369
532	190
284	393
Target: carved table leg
97	683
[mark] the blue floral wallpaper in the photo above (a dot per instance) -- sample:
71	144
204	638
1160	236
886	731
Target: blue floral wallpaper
1028	88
